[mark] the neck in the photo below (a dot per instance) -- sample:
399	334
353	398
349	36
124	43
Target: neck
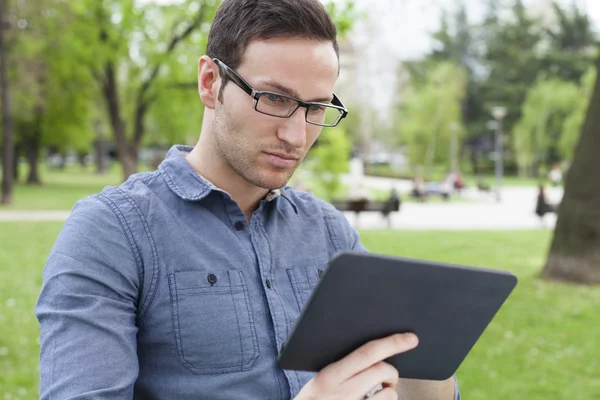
206	160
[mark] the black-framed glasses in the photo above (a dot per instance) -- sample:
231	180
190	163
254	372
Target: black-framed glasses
282	106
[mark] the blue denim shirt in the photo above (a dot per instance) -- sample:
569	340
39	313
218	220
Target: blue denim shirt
160	289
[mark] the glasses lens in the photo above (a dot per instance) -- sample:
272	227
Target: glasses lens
277	105
323	115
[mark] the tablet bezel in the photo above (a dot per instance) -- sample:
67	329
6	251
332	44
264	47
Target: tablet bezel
455	304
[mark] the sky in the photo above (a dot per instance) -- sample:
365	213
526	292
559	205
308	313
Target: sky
400	30
406	25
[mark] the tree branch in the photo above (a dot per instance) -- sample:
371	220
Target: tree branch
175	40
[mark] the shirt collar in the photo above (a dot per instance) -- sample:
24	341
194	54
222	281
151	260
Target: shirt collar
184	181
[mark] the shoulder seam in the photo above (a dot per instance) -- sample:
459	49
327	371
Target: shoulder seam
149	298
133	247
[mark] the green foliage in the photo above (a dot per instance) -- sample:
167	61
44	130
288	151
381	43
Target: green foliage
52	90
547	105
553	116
431	113
504	57
512	48
573	124
571	40
329	159
61	61
344	15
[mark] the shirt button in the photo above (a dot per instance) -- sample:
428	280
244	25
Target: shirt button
268	282
320	273
239	226
212	279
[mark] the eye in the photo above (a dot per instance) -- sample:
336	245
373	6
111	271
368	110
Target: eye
273	98
315	109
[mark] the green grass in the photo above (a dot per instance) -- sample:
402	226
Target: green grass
23	251
438	174
543	342
541	345
60	190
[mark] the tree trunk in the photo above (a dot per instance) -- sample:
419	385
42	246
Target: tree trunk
32	151
574	254
430	156
8	148
16	165
111	96
32	141
100	154
475	161
100	149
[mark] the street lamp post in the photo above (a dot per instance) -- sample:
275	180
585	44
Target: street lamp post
499	113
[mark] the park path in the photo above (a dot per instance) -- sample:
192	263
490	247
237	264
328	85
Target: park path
481	211
22	216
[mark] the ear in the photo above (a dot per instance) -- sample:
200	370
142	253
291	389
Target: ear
209	81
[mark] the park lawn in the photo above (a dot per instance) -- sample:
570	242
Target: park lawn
60	190
541	345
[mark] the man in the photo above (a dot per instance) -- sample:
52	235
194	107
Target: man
184	283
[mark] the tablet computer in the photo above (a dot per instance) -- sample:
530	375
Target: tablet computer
365	296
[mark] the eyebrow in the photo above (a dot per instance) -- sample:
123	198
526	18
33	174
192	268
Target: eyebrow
291	92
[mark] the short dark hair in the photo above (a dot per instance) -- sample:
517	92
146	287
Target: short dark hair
238	22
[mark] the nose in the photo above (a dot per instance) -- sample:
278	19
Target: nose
293	129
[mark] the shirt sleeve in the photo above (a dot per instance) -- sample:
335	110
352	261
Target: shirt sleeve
87	309
456	390
342	235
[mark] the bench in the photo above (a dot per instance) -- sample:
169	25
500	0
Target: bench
386	208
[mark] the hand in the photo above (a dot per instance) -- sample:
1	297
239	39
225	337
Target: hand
355	375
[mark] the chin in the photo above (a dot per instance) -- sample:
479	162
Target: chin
273	180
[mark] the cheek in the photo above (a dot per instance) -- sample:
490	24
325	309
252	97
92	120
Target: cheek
311	136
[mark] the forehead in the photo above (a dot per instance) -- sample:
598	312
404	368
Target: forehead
309	67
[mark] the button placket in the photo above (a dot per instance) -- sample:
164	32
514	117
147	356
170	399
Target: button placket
274	306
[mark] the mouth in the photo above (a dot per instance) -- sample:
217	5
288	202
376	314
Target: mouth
282	161
283	156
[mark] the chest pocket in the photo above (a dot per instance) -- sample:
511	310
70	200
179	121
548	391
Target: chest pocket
211	313
304	280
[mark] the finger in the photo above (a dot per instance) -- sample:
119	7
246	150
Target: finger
388	393
380	373
367	355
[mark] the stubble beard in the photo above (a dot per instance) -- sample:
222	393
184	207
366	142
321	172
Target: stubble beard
237	151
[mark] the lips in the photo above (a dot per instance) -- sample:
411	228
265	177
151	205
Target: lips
284	156
279	160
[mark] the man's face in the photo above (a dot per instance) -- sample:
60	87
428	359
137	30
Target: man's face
262	149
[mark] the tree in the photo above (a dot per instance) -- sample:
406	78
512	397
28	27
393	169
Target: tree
431	115
512	61
7	117
53	88
135	54
329	159
547	106
571	43
574	252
